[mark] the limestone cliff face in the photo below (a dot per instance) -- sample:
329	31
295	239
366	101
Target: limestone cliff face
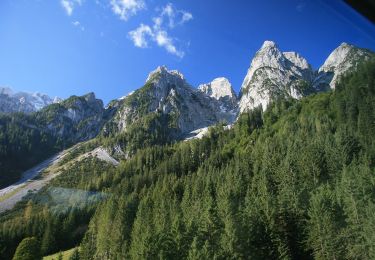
168	98
272	74
167	92
11	101
221	90
344	58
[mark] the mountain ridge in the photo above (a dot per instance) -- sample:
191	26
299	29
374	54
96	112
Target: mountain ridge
11	101
169	97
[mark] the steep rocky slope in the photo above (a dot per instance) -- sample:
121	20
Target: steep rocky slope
272	74
11	101
77	118
221	89
167	94
344	58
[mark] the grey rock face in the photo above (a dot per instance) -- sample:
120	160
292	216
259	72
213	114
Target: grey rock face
344	58
77	118
221	90
11	102
168	93
273	73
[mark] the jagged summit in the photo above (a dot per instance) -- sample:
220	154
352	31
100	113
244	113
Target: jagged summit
268	55
342	59
337	57
221	90
273	73
168	95
12	101
269	44
297	59
163	72
218	88
90	97
6	91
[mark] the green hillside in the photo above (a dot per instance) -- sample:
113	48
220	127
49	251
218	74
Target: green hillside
294	182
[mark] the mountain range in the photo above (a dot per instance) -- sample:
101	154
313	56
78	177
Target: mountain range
167	108
272	74
284	169
11	101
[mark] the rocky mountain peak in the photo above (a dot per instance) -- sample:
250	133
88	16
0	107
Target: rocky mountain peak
163	73
337	57
6	91
12	101
221	90
218	88
342	59
168	95
90	97
268	55
273	73
78	117
269	44
297	60
57	100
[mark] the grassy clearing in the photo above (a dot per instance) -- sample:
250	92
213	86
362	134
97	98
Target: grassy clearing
10	194
66	254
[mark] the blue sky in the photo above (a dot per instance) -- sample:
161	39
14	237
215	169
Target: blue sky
66	47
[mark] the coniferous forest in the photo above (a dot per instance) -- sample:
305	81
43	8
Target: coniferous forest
294	182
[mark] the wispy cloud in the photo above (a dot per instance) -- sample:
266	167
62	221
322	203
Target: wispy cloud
186	17
163	40
174	16
127	8
78	25
138	36
69	5
168	18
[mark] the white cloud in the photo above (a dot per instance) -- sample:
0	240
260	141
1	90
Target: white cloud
157	22
139	35
169	12
169	17
79	25
69	5
144	33
186	16
163	40
174	16
127	8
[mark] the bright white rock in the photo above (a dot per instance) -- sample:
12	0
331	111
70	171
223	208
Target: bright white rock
273	73
167	93
221	90
11	101
344	58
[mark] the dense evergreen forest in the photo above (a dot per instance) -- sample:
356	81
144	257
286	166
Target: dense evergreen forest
28	139
22	146
294	182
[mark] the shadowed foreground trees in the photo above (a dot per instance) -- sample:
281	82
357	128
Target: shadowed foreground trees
28	249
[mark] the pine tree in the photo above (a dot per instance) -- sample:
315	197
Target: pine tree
28	249
75	255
